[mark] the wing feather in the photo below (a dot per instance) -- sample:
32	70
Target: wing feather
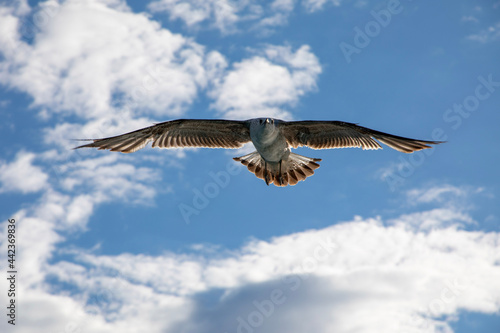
337	134
208	133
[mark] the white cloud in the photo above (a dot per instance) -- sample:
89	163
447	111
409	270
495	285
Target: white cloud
435	194
71	66
315	5
109	178
21	175
469	18
67	204
260	85
64	134
363	275
432	219
223	13
490	34
117	80
98	61
286	5
233	16
226	15
453	201
20	7
357	275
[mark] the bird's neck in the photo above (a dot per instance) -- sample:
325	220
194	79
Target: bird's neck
268	134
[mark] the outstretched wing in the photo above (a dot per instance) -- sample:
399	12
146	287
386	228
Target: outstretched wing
337	134
210	133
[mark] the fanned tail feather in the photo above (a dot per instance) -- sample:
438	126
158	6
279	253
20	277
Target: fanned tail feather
291	171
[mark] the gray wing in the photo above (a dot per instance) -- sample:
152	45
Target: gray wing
210	133
337	134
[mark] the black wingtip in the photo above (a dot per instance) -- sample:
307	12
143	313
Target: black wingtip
88	145
82	146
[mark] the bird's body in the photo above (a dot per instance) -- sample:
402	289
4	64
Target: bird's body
268	139
273	139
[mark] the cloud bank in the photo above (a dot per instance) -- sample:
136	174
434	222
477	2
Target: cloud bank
366	274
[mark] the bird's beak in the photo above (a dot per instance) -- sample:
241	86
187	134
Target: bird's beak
267	120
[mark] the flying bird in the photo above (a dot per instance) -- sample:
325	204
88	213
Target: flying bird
273	139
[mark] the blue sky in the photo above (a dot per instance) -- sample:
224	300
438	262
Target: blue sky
374	241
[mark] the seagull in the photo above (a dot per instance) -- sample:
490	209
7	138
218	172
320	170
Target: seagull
273	139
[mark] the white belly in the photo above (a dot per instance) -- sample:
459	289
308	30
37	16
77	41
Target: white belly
270	144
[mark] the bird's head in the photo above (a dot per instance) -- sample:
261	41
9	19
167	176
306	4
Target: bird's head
266	121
